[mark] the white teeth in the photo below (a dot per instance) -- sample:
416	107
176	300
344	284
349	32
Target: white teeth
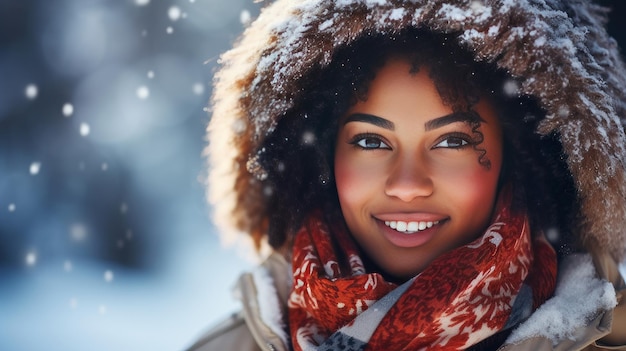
412	227
409	227
401	227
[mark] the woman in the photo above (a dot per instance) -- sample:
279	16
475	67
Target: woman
425	167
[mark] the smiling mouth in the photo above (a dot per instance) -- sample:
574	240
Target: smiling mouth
409	227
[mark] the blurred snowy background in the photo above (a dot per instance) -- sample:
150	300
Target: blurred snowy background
106	241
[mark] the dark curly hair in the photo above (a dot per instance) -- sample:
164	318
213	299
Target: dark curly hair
298	156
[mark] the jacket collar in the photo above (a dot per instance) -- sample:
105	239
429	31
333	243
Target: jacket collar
264	293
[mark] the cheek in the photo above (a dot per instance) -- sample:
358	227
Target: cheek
353	177
478	188
347	180
469	184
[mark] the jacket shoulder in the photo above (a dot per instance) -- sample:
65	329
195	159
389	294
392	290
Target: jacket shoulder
229	334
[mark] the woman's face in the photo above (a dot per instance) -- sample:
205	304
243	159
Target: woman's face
407	169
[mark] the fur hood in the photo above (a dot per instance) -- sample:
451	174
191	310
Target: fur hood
557	50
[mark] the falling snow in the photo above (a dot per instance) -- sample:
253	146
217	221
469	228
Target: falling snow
31	259
511	88
78	232
198	88
68	110
308	138
34	168
84	129
108	276
174	13
31	91
67	266
245	17
552	235
79	127
143	92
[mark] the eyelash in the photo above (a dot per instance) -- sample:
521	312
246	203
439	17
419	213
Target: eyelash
456	135
363	136
466	141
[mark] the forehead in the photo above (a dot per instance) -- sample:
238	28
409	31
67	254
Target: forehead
398	89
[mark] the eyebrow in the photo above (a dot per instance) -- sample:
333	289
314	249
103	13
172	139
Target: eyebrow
430	125
452	118
375	120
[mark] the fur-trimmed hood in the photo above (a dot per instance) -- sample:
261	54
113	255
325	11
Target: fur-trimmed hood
558	50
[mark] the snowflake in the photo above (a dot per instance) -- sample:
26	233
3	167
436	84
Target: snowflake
68	110
552	235
143	92
245	17
511	88
308	138
174	13
31	258
84	129
34	168
67	266
108	276
198	88
31	91
78	231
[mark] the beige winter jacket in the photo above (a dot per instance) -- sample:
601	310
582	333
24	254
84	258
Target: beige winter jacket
251	330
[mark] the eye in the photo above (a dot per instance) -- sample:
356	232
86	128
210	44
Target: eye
369	142
452	142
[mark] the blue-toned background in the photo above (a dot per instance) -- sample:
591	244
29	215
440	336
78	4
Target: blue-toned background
106	241
105	236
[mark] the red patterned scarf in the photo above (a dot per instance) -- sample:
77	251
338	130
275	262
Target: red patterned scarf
463	297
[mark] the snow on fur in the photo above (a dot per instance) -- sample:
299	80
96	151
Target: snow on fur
580	296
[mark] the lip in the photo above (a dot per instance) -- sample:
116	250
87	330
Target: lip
409	240
410	217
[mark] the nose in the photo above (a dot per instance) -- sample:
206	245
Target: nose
408	180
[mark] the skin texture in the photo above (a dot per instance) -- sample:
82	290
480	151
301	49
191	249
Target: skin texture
396	159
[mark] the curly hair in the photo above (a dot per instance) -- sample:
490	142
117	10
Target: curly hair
298	156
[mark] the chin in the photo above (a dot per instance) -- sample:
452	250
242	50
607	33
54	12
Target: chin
398	274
